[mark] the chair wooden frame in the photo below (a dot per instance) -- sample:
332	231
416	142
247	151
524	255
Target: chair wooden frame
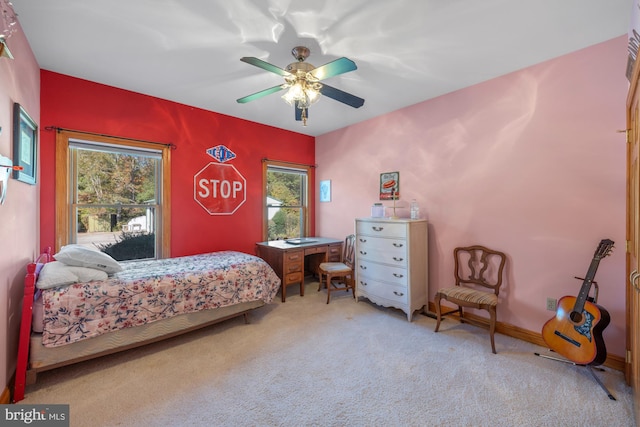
470	291
340	270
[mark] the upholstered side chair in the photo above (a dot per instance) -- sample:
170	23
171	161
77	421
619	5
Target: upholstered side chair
478	277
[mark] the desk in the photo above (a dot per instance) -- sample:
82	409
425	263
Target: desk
288	260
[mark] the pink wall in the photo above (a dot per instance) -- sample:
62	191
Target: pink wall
77	104
19	82
529	163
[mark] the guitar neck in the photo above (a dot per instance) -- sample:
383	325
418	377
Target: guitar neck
586	286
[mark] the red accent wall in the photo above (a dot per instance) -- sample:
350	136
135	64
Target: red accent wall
75	104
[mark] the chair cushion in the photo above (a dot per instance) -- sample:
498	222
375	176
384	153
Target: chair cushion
469	295
334	267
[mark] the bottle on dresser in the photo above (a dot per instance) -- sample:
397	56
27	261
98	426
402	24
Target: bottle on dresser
415	209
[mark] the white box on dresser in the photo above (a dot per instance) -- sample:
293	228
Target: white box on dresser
392	262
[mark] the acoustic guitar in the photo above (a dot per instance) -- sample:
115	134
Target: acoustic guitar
576	330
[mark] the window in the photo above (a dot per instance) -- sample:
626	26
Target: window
286	201
113	195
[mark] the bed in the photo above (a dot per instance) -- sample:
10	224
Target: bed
144	302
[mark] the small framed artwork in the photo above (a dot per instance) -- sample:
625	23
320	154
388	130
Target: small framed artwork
325	190
390	186
25	145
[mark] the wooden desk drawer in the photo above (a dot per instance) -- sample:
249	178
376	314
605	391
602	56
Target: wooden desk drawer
318	250
293	278
334	253
294	256
292	267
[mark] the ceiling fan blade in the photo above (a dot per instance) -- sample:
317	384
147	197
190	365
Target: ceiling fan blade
341	96
260	94
264	65
333	68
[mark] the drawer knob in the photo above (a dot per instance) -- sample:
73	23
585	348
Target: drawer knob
363	283
398	293
363	240
363	267
363	252
395	258
398	275
398	245
377	228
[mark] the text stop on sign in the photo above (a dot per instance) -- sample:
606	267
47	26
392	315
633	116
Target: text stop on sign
219	188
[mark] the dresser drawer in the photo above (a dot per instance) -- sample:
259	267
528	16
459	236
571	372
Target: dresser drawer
388	251
385	244
381	229
382	272
370	287
398	259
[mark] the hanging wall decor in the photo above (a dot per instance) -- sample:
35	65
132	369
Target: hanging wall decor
219	187
390	186
25	145
325	190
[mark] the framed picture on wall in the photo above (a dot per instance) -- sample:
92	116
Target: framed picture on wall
325	190
390	186
25	145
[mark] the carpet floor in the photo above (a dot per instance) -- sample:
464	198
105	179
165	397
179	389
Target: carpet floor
306	363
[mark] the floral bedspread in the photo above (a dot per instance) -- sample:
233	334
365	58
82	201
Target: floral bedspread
147	291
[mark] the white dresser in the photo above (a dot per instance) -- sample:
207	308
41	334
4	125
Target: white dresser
392	262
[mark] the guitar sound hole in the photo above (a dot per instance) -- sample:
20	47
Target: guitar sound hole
576	317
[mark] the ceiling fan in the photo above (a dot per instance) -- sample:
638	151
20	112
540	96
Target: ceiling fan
303	82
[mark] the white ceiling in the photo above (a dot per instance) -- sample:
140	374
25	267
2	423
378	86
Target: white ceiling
407	51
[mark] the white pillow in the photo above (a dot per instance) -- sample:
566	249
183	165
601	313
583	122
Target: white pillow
80	256
55	274
86	274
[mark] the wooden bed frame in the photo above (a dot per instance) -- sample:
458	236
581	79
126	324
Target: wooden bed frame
33	357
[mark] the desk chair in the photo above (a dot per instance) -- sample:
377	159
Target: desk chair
478	277
340	270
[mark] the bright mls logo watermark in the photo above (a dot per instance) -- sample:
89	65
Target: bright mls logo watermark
34	415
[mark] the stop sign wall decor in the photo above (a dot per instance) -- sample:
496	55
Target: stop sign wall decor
219	188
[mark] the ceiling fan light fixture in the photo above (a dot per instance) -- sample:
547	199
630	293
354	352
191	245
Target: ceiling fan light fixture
302	93
295	93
